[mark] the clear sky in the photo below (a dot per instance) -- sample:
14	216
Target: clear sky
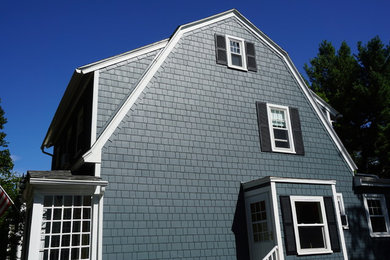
42	42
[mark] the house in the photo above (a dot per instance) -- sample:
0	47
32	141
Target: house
206	145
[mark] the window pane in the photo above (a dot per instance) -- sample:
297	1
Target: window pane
77	200
56	227
57	214
57	200
65	254
236	60
67	213
76	226
67	201
76	213
308	212
378	224
66	227
278	118
374	207
311	237
54	254
84	253
48	201
65	240
75	253
87	201
75	240
55	241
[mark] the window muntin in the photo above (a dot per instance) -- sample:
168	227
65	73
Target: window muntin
66	227
377	216
236	53
310	225
280	128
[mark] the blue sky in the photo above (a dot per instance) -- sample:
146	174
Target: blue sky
42	42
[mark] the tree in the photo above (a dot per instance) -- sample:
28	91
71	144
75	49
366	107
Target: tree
9	181
358	86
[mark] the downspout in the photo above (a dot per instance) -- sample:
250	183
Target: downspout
43	151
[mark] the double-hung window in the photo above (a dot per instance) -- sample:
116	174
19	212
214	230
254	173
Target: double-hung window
280	128
310	225
236	53
377	215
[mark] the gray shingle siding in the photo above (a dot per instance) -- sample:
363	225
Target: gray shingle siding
116	82
175	163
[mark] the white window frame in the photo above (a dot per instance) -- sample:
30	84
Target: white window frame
286	110
382	200
53	187
229	53
340	203
304	251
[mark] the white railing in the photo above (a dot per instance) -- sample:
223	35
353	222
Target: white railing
273	254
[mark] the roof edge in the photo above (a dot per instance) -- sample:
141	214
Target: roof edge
121	57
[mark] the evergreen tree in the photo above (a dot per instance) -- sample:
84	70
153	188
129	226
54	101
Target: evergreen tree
358	86
9	181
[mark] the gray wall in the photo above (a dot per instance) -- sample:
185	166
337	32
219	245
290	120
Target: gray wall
176	161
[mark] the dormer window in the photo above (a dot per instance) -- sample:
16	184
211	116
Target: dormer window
236	52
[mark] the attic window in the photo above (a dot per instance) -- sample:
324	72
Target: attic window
235	52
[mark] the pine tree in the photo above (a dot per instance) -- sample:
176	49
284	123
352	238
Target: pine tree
9	181
358	86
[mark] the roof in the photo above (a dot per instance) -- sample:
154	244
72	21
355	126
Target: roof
94	154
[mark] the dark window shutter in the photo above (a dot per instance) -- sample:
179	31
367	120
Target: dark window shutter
332	224
250	56
288	225
220	49
296	131
262	120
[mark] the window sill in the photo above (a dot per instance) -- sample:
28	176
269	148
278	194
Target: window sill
376	235
237	67
314	252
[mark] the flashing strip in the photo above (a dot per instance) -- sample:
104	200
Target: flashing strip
47	181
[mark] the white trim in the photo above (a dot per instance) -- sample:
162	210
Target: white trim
304	251
121	57
271	179
47	181
278	229
341	207
286	110
229	53
339	224
95	96
385	214
94	154
35	228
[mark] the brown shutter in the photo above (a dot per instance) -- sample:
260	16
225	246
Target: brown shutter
220	49
288	225
250	56
262	120
296	131
332	224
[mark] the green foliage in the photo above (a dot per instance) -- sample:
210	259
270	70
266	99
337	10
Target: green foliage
9	181
358	86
